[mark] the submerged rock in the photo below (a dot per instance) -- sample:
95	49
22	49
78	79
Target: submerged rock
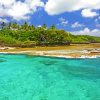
2	60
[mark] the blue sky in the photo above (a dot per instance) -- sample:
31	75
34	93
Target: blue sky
78	17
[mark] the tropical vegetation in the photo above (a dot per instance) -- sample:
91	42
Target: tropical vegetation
13	34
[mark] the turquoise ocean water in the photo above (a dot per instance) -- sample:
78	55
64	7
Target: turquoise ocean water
24	77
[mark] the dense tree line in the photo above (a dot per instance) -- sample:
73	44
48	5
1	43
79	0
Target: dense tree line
25	35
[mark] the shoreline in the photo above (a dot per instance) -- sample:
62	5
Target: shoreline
53	55
74	51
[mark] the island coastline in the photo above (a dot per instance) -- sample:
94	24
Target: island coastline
73	51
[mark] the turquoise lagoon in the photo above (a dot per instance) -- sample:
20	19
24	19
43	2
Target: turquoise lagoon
24	77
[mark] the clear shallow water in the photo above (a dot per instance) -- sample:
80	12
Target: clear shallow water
24	77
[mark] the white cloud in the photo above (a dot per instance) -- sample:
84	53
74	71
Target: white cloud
34	3
6	2
63	21
17	9
98	25
88	13
87	31
77	24
97	21
54	7
4	20
39	26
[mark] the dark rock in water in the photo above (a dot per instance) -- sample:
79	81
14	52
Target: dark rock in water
48	62
2	60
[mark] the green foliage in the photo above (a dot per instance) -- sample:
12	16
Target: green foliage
3	24
4	40
85	39
26	35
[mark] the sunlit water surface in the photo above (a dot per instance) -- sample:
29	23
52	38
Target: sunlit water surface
24	77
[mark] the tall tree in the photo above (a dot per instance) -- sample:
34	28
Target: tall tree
33	27
3	24
15	25
44	26
25	26
53	27
9	25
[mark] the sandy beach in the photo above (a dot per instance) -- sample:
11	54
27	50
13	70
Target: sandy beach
72	51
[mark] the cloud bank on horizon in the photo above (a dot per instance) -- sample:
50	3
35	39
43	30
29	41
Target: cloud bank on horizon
19	10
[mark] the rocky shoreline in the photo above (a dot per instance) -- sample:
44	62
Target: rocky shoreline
83	53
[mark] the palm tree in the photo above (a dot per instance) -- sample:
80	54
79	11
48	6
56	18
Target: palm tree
3	24
15	25
53	27
25	25
9	25
33	27
44	26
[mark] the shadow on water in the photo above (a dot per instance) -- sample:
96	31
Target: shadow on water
29	56
48	62
2	60
78	72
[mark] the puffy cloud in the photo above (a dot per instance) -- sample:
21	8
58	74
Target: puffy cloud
88	13
87	31
77	24
39	26
6	2
97	21
5	6
34	3
63	21
98	25
54	7
17	9
4	20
